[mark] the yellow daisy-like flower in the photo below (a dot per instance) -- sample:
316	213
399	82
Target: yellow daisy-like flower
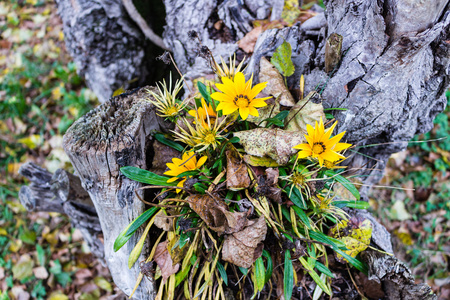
226	71
201	134
188	162
239	95
165	99
203	113
320	145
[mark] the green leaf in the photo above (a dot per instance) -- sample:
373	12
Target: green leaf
345	182
302	215
269	266
352	204
320	237
204	91
260	273
40	255
222	272
141	219
199	187
288	280
162	139
188	173
145	176
243	270
281	59
128	232
296	197
353	261
323	269
319	282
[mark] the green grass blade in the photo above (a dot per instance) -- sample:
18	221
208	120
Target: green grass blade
288	276
162	139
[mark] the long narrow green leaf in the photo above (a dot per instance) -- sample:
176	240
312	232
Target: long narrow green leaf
243	270
162	139
269	266
128	232
122	239
288	280
296	197
222	272
353	261
145	176
352	204
260	274
319	282
323	269
345	182
302	215
320	237
142	219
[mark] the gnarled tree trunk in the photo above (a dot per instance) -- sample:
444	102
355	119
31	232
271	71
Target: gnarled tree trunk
391	79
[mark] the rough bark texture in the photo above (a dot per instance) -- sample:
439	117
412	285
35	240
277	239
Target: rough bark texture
107	48
395	278
391	79
62	192
115	134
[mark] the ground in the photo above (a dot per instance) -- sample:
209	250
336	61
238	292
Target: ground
42	257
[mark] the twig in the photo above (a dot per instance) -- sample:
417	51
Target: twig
148	32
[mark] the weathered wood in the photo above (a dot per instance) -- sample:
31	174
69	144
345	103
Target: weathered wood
115	134
395	278
108	49
62	193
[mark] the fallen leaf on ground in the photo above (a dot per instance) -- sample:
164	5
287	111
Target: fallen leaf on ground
275	83
247	43
303	113
23	268
244	247
164	261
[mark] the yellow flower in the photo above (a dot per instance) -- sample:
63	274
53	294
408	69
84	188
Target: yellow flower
239	95
201	134
203	113
188	162
320	145
165	99
226	71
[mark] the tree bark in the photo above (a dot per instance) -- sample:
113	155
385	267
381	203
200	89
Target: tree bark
115	134
391	79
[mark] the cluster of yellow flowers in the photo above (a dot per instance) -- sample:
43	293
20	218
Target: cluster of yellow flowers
235	97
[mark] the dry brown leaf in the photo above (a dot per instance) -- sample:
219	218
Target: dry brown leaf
164	261
303	113
163	222
275	83
244	247
216	215
237	175
247	43
268	185
274	143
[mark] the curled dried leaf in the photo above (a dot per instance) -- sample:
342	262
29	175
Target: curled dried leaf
275	83
237	175
214	212
244	247
163	222
164	261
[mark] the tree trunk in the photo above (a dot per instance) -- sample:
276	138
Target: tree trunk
391	79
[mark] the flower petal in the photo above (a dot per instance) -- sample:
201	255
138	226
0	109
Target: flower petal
201	161
341	146
244	112
256	90
253	111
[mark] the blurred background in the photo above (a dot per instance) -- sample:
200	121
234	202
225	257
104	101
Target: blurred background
41	95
